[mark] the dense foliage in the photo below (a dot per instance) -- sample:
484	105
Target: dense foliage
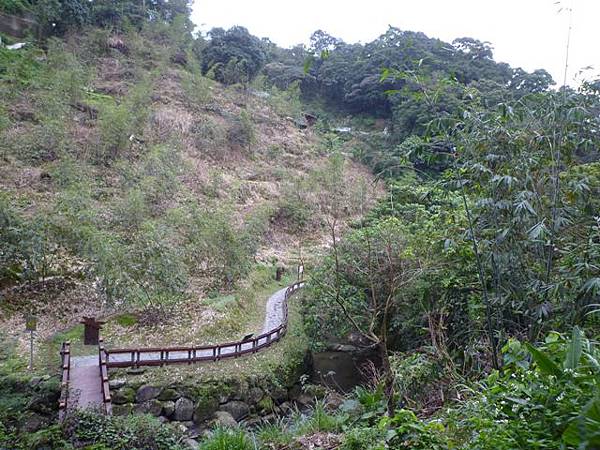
233	56
475	276
58	17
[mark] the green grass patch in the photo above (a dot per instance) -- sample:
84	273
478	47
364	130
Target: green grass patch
126	320
221	303
49	352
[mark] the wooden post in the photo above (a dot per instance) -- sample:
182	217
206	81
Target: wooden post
91	331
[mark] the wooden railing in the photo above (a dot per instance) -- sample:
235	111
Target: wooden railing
102	359
65	357
160	356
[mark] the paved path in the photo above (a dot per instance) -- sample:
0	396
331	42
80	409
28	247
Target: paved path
85	387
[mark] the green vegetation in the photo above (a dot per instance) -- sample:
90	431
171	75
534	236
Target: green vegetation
157	179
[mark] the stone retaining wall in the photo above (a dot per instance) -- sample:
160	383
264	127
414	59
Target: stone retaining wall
201	405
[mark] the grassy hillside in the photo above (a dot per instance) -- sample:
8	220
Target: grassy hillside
131	183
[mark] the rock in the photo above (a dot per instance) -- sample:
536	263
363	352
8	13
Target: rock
286	407
188	424
279	395
32	423
169	394
184	409
333	401
342	348
205	408
152	407
122	410
223	398
147	392
237	409
315	390
254	395
181	428
224	419
124	395
136	370
116	384
192	443
266	405
168	408
253	422
305	400
295	392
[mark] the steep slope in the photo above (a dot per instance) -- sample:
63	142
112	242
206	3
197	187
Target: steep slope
130	183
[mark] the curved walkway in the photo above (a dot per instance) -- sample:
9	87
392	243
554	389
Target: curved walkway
85	388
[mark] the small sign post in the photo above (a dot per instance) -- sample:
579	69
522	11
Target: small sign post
300	272
31	326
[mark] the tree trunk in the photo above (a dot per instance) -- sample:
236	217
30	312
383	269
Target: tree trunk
388	379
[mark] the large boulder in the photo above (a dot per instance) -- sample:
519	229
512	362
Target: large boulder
152	407
147	392
116	384
122	396
168	408
224	419
169	394
279	395
254	395
205	408
184	410
237	409
122	410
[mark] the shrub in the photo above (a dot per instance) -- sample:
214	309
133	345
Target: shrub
86	428
226	439
233	56
196	88
215	249
242	131
363	439
118	122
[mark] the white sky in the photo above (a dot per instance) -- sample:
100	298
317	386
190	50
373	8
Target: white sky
524	33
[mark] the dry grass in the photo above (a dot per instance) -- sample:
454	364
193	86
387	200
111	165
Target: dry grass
212	170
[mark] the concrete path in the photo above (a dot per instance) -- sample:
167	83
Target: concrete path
85	390
85	387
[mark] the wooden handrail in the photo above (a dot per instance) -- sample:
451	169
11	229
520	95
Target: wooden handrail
102	362
65	360
218	351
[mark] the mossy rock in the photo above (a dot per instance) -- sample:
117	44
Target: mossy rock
152	407
124	395
205	408
122	410
168	408
266	405
254	395
169	394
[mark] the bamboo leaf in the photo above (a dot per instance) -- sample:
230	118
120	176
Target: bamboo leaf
574	350
544	363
